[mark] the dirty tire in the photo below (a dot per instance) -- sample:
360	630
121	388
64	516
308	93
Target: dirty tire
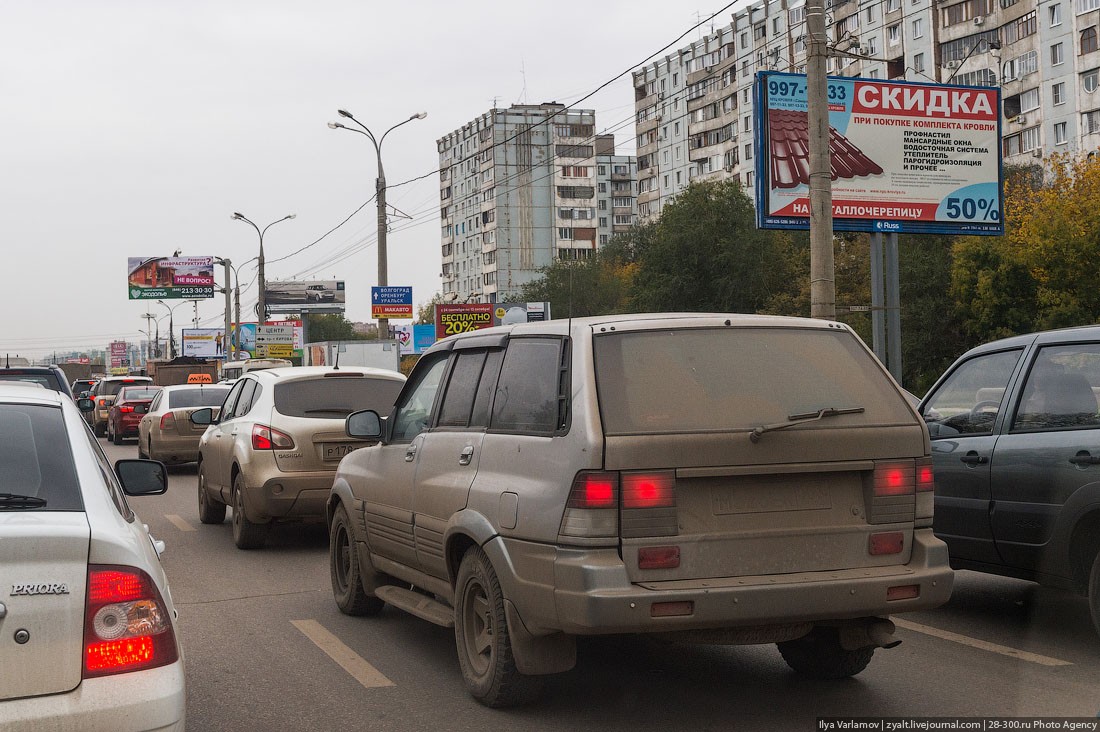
116	438
820	656
246	535
142	454
210	511
100	430
481	634
345	571
1094	592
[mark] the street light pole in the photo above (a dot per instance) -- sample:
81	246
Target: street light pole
380	196
171	326
261	299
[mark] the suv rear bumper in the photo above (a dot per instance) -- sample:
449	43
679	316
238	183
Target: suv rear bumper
290	495
592	595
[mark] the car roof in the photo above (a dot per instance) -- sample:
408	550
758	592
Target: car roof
16	392
295	373
1060	335
180	387
148	379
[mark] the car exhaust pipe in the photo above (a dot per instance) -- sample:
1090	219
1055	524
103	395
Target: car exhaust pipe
878	633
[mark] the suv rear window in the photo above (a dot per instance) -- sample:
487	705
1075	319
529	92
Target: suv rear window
43	377
185	398
705	379
133	392
335	397
111	388
37	459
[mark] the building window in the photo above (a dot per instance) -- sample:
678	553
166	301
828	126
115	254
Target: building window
1089	80
918	63
1088	40
893	34
748	151
1090	122
1057	55
565	233
1054	14
1060	133
1058	93
918	28
603	222
1084	6
892	5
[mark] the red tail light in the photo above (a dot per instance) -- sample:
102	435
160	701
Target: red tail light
125	410
168	422
649	490
926	480
267	438
594	489
895	479
126	625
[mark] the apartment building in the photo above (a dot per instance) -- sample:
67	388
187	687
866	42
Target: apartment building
522	187
694	108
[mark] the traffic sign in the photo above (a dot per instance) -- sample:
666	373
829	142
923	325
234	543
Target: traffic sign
274	334
391	302
280	350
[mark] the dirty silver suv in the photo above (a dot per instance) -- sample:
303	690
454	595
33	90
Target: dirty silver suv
710	478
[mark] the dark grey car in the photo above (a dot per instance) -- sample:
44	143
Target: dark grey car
1015	429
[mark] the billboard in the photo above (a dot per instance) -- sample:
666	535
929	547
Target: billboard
506	313
170	278
204	342
414	339
119	353
451	319
317	296
906	156
391	302
249	345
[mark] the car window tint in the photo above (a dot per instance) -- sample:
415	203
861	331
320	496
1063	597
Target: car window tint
248	398
43	380
228	408
1061	389
185	398
131	393
335	397
968	401
37	457
706	379
526	398
110	480
480	415
415	411
155	404
111	388
458	400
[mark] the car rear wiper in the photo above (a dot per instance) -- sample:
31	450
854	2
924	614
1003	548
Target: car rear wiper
802	419
13	500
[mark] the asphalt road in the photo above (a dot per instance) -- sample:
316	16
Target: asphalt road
266	649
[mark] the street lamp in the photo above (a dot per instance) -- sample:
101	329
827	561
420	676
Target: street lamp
171	331
380	195
261	300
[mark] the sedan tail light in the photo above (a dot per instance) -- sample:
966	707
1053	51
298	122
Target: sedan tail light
168	421
126	624
268	438
125	410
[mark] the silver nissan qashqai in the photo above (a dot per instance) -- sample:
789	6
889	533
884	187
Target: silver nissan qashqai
711	478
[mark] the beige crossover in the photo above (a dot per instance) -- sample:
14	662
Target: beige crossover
709	478
166	432
274	448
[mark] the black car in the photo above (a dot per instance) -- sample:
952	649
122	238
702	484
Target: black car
51	377
1015	428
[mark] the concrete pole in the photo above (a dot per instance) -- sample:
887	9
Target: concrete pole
228	334
383	264
822	268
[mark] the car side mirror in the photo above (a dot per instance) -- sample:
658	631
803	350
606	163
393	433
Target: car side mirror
85	404
204	416
364	425
142	477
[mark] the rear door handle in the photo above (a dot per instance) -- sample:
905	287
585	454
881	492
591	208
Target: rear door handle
466	455
1083	458
973	458
410	454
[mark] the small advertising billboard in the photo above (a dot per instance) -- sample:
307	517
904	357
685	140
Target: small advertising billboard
906	156
170	278
391	302
414	339
459	318
313	296
506	313
204	342
118	351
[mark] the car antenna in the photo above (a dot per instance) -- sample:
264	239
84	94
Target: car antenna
7	360
336	366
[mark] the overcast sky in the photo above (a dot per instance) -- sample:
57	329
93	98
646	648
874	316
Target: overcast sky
134	129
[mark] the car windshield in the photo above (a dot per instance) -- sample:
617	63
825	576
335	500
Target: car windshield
208	397
718	379
37	461
111	388
335	398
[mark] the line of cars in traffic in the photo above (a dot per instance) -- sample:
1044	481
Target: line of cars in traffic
692	476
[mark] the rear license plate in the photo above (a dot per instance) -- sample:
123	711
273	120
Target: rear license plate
335	452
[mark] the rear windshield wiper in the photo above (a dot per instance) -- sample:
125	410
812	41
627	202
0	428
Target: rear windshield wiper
802	419
13	500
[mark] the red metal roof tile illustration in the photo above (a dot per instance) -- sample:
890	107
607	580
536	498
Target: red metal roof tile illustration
790	151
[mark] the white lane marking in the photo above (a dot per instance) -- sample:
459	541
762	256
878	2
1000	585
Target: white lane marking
179	522
980	644
349	660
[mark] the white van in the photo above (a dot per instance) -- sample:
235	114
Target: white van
233	370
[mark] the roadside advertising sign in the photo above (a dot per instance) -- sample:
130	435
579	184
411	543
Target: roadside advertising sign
314	296
451	319
505	313
248	338
170	278
118	351
906	157
391	302
414	339
204	342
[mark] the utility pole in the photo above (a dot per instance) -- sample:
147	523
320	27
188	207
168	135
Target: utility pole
228	334
822	268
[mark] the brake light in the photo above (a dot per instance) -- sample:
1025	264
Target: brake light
126	625
926	480
894	479
125	410
594	489
649	490
168	421
267	438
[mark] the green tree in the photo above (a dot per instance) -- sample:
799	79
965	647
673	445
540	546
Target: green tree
331	327
598	285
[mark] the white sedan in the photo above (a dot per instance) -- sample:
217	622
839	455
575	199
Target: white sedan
88	637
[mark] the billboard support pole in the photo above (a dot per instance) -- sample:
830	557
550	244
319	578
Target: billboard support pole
878	313
227	337
893	307
822	269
